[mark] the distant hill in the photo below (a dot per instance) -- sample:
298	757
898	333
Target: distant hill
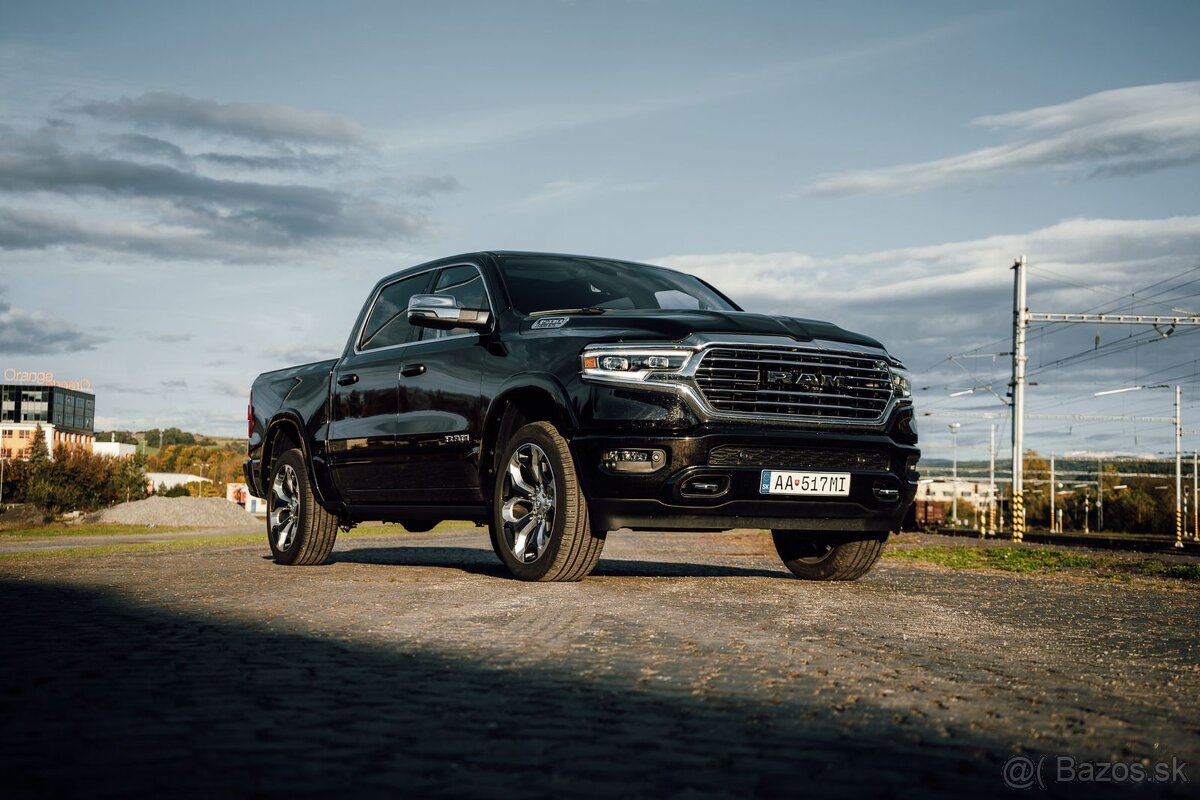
154	439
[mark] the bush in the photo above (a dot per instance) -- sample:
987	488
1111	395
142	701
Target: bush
76	480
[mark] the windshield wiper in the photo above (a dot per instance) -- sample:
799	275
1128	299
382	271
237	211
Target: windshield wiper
588	310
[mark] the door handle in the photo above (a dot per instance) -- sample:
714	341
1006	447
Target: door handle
412	370
347	380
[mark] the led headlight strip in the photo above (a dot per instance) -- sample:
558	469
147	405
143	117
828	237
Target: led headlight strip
631	363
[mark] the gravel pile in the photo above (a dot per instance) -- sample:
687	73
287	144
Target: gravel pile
178	512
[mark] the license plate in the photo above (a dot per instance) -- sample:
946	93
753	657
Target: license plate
827	484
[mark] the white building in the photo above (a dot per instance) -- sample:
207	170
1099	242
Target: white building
941	490
240	493
173	479
114	449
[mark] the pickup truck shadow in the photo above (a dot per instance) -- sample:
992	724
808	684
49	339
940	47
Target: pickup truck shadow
484	562
105	695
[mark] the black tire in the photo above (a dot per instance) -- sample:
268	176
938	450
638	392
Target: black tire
818	556
290	500
571	548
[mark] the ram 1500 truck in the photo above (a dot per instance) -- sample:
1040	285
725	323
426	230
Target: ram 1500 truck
556	398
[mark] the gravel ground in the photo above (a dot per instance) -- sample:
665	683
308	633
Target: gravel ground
177	512
689	665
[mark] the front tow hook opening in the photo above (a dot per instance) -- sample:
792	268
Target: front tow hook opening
885	492
704	486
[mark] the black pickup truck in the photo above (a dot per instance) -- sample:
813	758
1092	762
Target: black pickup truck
557	398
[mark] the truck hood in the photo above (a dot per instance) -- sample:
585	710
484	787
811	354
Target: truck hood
677	324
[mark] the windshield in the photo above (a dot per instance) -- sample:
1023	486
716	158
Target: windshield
552	283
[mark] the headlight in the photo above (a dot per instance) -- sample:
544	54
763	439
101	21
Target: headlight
631	364
900	385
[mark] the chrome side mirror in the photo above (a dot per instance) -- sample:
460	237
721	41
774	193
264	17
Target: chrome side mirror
441	311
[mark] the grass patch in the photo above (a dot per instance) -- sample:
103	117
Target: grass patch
1038	560
1157	569
182	543
52	531
130	547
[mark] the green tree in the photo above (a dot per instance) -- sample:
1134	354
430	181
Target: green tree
38	453
127	479
77	480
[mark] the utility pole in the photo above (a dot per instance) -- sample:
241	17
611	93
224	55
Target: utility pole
1020	323
1099	495
1195	499
1022	316
954	426
1178	469
1053	491
991	523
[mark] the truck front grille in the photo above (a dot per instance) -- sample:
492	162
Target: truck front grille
797	458
782	382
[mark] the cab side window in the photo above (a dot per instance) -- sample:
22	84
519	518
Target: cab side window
387	324
465	285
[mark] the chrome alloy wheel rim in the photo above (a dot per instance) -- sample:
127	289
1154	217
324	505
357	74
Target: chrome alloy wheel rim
285	507
529	506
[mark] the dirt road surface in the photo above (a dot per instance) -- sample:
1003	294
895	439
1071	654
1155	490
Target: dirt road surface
688	665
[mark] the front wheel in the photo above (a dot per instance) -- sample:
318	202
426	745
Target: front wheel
299	531
821	556
540	527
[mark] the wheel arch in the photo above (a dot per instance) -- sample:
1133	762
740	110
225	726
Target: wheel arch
528	398
287	428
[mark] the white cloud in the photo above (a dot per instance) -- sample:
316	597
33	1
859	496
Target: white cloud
37	332
928	301
1118	132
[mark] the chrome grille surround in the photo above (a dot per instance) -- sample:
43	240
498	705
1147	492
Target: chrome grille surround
795	383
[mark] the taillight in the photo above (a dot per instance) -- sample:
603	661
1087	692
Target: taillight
250	416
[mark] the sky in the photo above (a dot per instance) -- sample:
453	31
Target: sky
193	193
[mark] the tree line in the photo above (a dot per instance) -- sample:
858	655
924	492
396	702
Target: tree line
153	438
74	480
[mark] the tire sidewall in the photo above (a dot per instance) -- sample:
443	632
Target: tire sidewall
838	564
295	459
530	570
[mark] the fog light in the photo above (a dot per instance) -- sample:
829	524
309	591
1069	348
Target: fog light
633	460
910	467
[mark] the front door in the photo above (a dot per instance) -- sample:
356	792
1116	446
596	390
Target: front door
440	428
365	395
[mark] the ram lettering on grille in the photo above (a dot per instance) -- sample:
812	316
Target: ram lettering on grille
821	384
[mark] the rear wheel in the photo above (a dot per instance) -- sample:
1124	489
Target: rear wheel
824	556
299	531
540	527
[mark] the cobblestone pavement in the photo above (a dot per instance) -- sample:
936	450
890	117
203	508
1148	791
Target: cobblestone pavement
689	665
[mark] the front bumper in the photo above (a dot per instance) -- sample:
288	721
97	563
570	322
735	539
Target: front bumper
880	493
